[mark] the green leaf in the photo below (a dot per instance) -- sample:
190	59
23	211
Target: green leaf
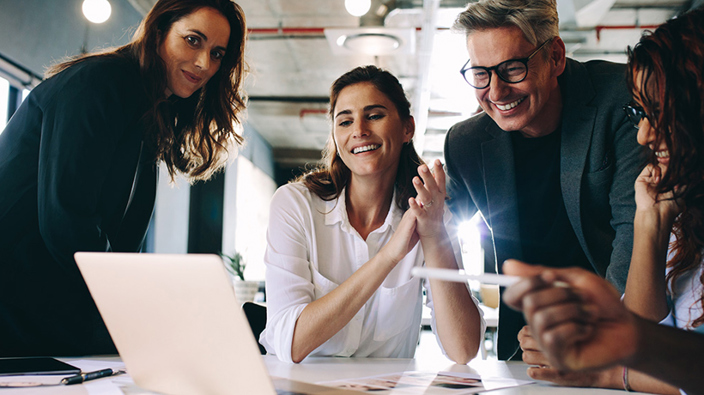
235	264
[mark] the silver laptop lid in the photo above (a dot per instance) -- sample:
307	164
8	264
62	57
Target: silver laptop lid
176	322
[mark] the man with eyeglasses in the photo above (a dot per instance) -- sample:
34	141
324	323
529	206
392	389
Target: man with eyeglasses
551	161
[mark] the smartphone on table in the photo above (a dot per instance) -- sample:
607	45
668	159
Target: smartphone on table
35	365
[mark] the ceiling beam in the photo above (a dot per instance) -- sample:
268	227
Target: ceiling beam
296	157
142	6
421	99
292	99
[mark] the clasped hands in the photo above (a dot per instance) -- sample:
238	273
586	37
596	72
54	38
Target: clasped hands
428	206
424	217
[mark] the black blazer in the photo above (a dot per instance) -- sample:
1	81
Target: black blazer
75	176
599	162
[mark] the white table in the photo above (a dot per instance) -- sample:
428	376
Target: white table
327	369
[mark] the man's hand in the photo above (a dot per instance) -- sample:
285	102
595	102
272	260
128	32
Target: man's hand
575	317
531	350
541	369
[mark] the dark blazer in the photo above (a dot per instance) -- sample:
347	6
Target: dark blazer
75	177
600	160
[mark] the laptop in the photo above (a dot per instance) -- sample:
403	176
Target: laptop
178	327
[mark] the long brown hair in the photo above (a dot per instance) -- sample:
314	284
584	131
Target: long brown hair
333	175
191	135
671	91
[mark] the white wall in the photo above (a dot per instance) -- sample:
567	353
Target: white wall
248	189
171	214
253	192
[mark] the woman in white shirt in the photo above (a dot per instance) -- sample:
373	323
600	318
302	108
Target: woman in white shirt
343	239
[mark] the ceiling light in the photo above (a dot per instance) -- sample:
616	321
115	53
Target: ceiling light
372	43
358	7
96	11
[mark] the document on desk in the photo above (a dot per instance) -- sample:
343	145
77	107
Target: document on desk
449	383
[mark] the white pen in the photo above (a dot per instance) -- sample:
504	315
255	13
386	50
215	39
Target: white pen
460	276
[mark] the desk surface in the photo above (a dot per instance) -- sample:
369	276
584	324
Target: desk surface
328	369
324	369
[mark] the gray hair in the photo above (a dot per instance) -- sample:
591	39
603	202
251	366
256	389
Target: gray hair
537	19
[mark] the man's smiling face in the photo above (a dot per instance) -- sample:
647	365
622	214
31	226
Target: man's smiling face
529	106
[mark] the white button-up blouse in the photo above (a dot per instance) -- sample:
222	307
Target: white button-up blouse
312	248
684	295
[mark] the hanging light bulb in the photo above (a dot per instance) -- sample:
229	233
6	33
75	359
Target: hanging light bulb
96	11
358	7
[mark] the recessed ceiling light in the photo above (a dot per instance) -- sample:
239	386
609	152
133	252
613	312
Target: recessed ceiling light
372	43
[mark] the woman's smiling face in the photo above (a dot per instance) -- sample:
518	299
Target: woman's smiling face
368	131
192	50
647	135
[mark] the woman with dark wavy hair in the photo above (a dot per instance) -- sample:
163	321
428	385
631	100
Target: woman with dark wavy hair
666	78
342	240
78	162
666	278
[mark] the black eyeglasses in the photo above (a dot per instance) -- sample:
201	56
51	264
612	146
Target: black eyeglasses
512	71
635	113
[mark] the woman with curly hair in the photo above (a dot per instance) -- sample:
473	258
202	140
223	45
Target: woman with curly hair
342	240
78	163
666	78
576	328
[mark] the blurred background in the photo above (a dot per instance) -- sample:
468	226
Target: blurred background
296	49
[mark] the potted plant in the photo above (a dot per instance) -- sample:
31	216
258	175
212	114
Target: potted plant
235	264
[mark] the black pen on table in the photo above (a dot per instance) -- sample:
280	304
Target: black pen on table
79	378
